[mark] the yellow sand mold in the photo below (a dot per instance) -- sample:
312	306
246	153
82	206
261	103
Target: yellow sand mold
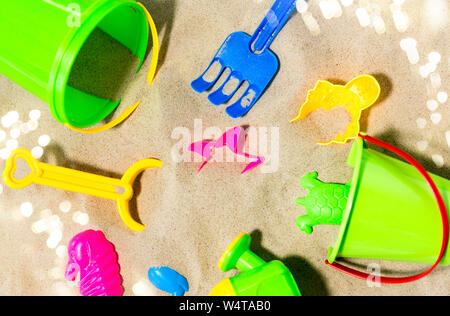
358	95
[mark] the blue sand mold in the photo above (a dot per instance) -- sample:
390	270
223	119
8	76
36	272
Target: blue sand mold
168	280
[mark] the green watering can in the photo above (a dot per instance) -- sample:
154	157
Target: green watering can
258	278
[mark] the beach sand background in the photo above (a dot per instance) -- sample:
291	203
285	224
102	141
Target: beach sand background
191	218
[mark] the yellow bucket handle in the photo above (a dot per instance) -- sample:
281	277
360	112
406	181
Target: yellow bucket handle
150	77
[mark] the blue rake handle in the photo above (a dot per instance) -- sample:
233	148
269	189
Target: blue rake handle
272	24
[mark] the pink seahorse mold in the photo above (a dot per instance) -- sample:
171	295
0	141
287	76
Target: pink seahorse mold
234	139
94	258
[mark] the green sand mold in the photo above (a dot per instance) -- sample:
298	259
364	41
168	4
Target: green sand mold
325	203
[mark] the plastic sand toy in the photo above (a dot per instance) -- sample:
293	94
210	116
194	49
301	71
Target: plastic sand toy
249	59
93	258
168	280
40	41
325	203
120	190
258	278
234	139
358	95
386	212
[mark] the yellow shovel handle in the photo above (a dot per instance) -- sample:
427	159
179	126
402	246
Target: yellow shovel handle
11	166
63	178
80	182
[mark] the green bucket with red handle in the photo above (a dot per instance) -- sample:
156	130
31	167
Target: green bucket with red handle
391	210
392	214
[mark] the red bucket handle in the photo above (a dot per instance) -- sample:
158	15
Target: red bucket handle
442	208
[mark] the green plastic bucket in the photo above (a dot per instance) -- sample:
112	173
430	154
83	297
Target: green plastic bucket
40	40
391	212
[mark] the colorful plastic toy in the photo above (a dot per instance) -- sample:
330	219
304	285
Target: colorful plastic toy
93	258
234	139
38	54
258	278
151	75
325	203
120	190
358	95
249	59
390	212
168	280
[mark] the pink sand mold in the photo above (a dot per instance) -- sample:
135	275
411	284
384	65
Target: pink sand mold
234	139
93	257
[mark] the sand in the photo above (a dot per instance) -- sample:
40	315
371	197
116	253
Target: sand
191	218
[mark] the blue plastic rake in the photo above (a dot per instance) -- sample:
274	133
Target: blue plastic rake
249	59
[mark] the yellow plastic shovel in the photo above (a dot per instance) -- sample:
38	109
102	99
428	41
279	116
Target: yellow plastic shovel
120	190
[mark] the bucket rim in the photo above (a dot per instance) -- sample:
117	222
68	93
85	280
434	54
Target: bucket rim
69	51
234	251
355	157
